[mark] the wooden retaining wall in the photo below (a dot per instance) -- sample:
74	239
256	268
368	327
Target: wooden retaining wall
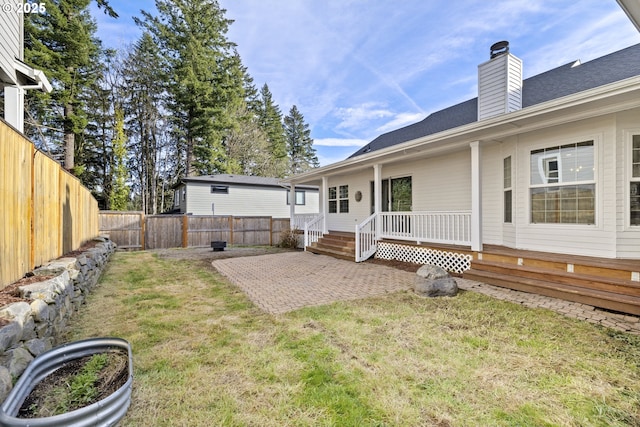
45	213
135	231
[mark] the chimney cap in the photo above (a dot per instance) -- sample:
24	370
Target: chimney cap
499	48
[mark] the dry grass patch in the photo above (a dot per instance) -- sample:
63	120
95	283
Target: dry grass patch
204	355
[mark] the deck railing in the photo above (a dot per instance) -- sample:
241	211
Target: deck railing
366	239
300	219
452	228
313	230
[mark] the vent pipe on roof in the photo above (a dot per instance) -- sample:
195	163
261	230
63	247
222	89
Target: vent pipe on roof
499	83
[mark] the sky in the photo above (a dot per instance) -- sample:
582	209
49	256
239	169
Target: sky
357	69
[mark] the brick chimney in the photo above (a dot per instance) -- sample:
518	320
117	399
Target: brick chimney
499	83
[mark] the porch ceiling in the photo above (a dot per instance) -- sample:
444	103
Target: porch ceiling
615	97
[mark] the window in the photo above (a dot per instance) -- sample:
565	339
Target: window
333	203
563	184
300	197
635	181
222	189
508	193
339	199
344	198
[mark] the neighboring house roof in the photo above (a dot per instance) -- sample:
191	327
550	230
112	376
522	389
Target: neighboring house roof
562	81
242	180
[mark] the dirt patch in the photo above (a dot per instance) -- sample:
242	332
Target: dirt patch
55	393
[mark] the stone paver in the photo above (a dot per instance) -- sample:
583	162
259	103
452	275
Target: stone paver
279	283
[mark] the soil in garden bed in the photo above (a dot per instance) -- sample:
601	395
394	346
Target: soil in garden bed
53	395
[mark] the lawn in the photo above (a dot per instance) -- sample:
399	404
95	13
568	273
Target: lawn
205	356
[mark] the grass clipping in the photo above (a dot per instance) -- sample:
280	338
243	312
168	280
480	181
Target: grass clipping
79	383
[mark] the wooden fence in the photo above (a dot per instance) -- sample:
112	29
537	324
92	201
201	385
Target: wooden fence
134	230
45	213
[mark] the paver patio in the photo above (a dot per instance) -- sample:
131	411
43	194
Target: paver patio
279	283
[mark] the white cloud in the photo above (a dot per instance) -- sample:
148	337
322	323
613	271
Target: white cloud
357	117
339	142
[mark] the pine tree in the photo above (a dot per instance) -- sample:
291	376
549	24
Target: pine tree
271	122
205	77
62	42
302	155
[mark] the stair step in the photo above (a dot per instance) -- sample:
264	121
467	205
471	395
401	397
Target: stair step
595	297
319	250
590	281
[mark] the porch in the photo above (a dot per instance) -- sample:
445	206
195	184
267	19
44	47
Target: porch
444	239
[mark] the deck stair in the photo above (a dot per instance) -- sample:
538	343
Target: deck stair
337	244
604	283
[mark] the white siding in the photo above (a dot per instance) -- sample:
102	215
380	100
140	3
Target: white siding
492	194
499	86
628	238
590	240
10	41
245	201
358	211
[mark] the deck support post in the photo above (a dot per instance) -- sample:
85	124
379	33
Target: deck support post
476	197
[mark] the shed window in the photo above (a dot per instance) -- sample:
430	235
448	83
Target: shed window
563	184
300	198
508	193
223	189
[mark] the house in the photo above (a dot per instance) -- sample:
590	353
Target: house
241	195
532	175
15	75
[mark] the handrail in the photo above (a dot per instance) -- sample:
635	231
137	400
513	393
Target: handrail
366	238
313	230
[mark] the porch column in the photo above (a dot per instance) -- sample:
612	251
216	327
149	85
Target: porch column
292	205
325	203
476	197
377	194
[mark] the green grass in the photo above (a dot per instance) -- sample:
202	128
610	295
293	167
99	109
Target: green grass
204	355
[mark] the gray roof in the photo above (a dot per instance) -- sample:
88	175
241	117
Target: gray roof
241	180
556	83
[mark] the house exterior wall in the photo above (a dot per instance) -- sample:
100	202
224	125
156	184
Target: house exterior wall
245	201
358	211
10	42
627	236
584	239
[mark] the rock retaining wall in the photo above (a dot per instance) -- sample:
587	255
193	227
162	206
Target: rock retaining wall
34	326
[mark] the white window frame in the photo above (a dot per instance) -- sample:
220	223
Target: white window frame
543	161
629	134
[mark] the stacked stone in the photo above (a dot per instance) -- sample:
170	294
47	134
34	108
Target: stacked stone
34	326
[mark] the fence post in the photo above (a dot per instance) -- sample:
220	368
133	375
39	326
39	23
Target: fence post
231	229
32	202
185	231
143	231
270	231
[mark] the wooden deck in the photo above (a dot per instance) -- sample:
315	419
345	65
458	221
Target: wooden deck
612	284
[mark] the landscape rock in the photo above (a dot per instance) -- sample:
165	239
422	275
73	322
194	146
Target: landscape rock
434	281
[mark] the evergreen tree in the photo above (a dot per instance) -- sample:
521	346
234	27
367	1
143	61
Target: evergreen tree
302	155
120	194
62	41
271	122
144	98
204	74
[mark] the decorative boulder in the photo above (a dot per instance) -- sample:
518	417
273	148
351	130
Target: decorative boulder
434	281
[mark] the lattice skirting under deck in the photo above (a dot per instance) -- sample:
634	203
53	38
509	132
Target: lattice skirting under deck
450	261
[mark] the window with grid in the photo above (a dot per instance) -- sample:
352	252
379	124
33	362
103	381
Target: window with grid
562	186
344	198
634	195
333	200
508	193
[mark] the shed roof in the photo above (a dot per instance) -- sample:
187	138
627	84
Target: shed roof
242	180
567	79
